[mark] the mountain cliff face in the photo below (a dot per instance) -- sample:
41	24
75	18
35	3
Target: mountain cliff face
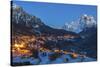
22	22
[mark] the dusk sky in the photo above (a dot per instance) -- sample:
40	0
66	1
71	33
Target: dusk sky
56	15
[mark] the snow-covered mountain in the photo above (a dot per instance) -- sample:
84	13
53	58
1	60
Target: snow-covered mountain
19	16
84	21
25	23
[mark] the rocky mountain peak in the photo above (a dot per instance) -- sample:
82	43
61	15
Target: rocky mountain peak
83	22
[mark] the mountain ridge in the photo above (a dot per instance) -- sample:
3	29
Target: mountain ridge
23	20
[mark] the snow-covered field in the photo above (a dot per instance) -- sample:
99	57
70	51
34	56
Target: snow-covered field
65	58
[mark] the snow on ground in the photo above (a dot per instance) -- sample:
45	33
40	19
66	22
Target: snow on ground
65	58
